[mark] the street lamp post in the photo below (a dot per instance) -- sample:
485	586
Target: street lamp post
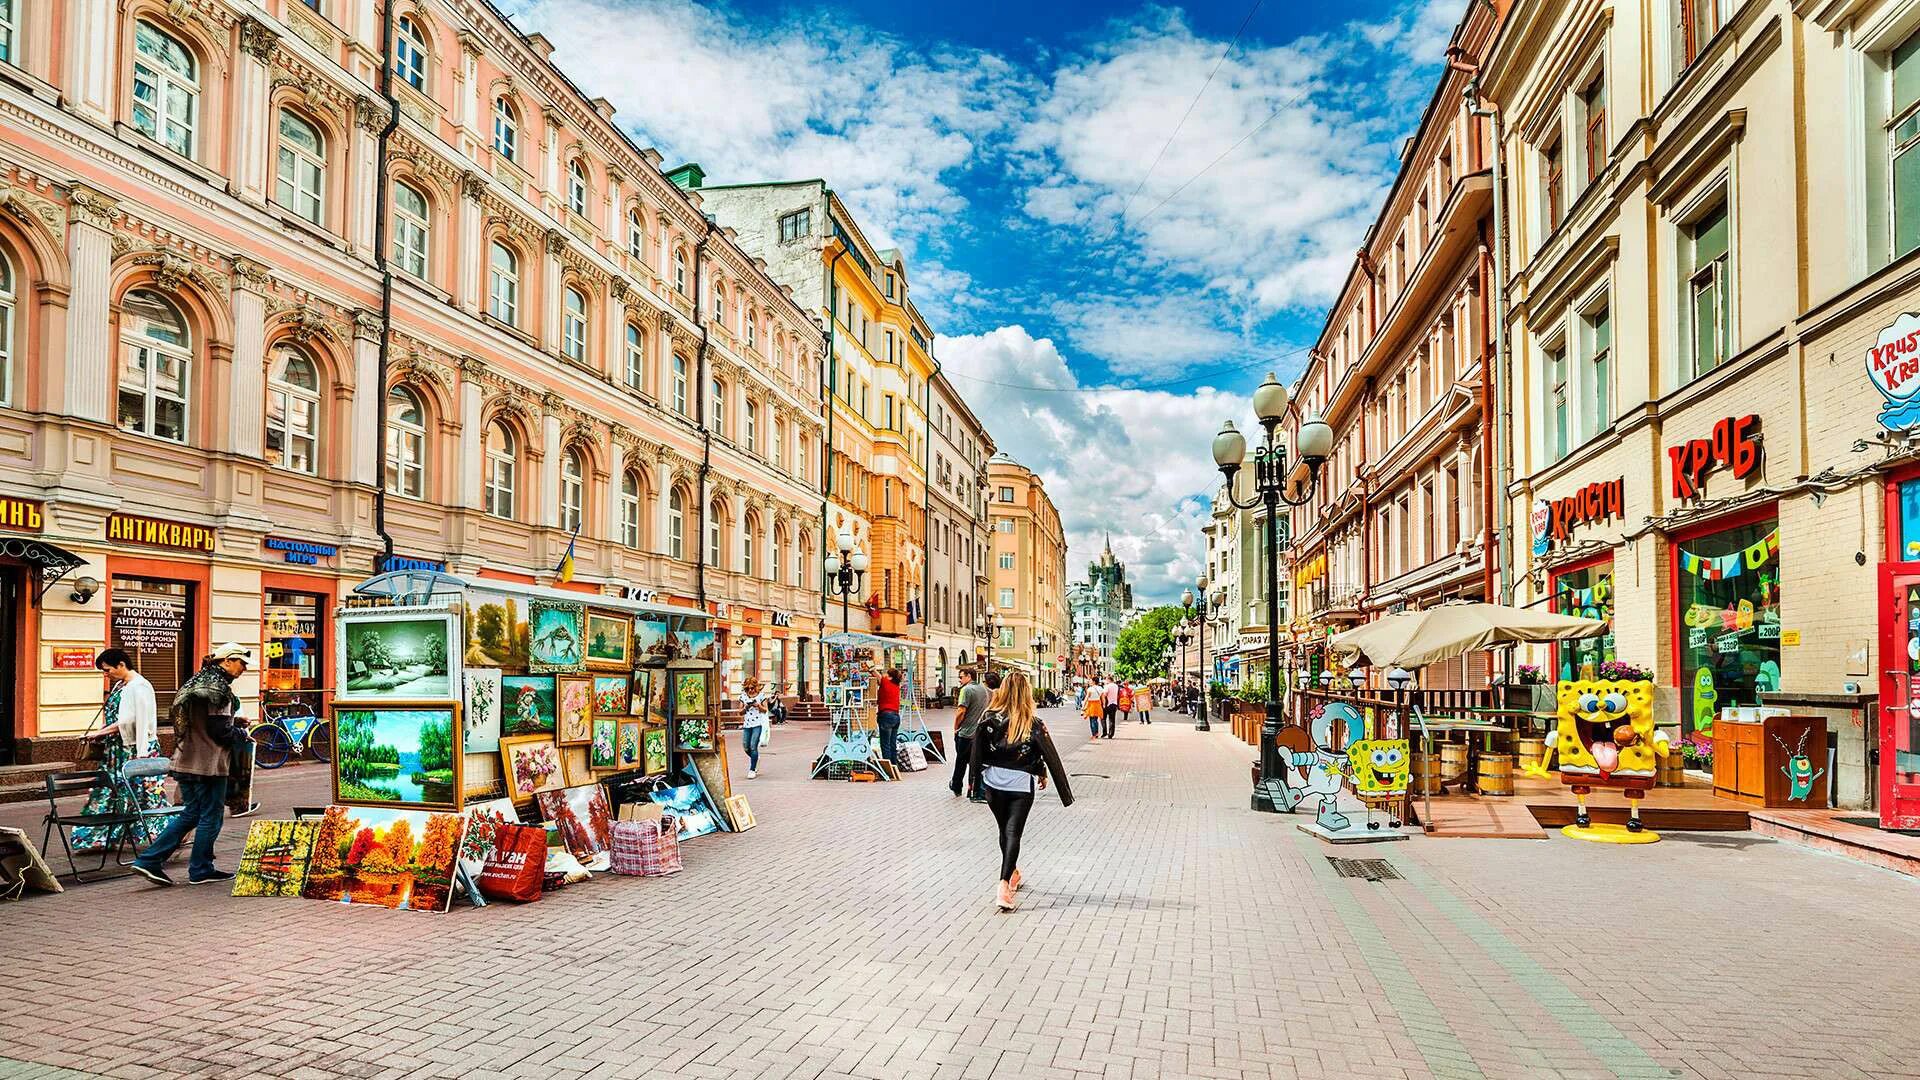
846	570
987	627
1200	719
1314	442
1039	649
1183	637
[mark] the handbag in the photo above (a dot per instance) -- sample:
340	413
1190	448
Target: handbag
92	751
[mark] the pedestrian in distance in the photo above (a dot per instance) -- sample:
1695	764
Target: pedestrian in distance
971	706
754	720
1012	757
1143	703
887	712
1094	708
129	729
1110	695
1126	701
205	725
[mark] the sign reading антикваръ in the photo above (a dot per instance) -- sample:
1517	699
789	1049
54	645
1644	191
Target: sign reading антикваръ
153	532
1893	363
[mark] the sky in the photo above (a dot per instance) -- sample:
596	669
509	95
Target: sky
1116	217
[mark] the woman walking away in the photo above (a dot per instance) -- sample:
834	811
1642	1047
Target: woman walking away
753	727
1012	758
1093	710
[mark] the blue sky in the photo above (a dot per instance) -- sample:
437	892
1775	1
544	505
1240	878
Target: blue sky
1101	309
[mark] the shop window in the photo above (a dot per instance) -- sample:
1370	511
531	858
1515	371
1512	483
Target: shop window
1728	587
1588	593
293	413
406	444
154	621
155	361
295	648
166	88
1910	521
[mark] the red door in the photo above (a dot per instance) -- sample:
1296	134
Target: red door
1900	697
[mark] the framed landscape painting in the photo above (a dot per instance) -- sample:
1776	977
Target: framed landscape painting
527	705
652	643
398	859
690	644
558	631
609	641
397	655
610	695
397	754
480	726
531	765
601	753
637	690
573	721
497	630
585	817
653	751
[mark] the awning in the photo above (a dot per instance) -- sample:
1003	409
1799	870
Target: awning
54	562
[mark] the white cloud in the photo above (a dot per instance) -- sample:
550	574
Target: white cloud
1154	337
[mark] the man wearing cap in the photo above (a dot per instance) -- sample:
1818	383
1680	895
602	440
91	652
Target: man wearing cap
203	714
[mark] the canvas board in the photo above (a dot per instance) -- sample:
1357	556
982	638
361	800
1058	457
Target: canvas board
392	858
585	817
531	764
275	860
397	754
480	724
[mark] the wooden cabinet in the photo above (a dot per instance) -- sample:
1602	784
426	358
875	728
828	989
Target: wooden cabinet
1780	761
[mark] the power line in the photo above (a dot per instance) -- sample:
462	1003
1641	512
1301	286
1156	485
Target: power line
1296	99
1188	380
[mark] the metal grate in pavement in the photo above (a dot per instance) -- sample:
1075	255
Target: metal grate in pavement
1370	869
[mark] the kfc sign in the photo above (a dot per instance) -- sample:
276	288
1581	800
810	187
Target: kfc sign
1735	445
1594	503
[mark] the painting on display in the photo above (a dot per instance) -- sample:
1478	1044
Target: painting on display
653	750
527	705
638	690
652	643
398	859
690	805
531	764
483	821
657	690
741	813
574	712
576	765
693	721
397	754
692	644
610	695
480	726
627	753
275	860
397	655
609	641
497	631
585	817
601	753
558	631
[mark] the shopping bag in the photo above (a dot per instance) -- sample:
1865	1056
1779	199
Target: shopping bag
646	848
515	865
914	756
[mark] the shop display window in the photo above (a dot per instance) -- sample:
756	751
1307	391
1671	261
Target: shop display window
154	622
295	649
1729	626
1588	593
1910	520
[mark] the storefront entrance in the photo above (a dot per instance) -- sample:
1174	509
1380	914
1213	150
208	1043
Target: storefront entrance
1726	595
13	637
294	670
1585	590
1900	698
155	622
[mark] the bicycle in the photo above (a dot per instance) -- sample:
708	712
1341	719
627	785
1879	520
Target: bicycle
289	725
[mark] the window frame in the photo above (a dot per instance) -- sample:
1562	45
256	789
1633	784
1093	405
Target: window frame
681	380
1596	363
575	320
632	502
411	53
7	347
1695	279
285	394
676	524
503	304
412	233
573	491
401	432
506	128
1898	148
163	77
635	340
308	184
500	471
152	349
579	189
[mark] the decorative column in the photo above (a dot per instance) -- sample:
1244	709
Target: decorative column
550	290
246	420
615	182
90	60
616	330
472	405
616	466
363	193
89	360
662	492
550	183
550	462
469	253
730	545
252	82
466	98
368	396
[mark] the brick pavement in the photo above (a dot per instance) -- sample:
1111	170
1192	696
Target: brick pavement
1167	932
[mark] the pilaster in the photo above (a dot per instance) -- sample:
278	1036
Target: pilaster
89	360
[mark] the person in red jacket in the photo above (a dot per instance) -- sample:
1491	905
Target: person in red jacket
887	708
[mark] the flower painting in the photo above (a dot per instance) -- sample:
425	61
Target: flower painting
692	692
558	630
652	644
480	727
399	859
601	753
628	756
483	830
653	751
585	818
573	720
531	764
396	755
610	695
695	733
527	705
609	641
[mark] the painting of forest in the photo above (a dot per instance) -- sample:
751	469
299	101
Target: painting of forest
275	860
395	756
497	630
397	658
585	818
398	859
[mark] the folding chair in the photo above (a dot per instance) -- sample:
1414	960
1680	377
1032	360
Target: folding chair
84	784
146	768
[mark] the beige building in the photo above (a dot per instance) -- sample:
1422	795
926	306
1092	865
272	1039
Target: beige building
1028	578
959	534
1713	213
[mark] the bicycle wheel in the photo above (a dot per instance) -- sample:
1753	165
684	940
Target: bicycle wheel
271	746
320	741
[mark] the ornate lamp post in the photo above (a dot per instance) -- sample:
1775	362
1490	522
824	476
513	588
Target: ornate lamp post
1183	637
1201	721
846	571
1271	465
987	627
1039	649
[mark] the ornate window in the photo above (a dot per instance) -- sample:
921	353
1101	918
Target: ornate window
747	542
779	442
630	508
503	284
501	453
577	187
680	384
406	444
156	359
573	491
166	88
718	418
573	327
410	53
300	183
636	236
716	530
410	229
680	272
801	558
749	330
6	327
753	426
779	549
506	128
676	525
293	413
636	358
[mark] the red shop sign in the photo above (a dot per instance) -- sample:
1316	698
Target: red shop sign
72	659
1735	445
1595	502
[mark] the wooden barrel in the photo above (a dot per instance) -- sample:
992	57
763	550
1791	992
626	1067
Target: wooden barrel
1673	770
1453	761
1530	747
1496	774
1426	775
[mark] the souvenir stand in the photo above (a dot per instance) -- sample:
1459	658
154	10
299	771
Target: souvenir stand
867	657
852	748
465	709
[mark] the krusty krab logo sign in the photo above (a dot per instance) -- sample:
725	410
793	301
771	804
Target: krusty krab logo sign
1893	363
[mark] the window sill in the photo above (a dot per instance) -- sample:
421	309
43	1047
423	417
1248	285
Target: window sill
30	82
141	139
507	328
295	223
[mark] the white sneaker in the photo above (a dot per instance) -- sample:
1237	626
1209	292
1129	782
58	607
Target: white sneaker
751	774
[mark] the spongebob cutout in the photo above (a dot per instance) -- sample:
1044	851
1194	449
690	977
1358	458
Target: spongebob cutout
1605	738
1378	771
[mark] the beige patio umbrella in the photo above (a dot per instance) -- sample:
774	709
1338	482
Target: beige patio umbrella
1418	638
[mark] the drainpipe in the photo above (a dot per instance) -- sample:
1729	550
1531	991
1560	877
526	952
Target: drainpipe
386	285
700	413
831	370
1502	472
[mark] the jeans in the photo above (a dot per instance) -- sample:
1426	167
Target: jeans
1010	810
204	805
750	739
1093	724
962	753
1106	721
889	734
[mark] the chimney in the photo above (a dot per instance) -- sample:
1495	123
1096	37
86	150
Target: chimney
603	107
541	45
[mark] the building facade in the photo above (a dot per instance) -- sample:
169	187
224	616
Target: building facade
1102	605
1028	576
218	421
958	533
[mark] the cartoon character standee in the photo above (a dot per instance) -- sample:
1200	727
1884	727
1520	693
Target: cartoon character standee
1799	768
1316	764
1378	771
1605	738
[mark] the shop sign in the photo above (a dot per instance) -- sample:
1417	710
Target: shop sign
20	515
635	592
1735	444
155	532
73	659
1893	363
1592	504
779	618
147	622
384	564
1790	637
301	551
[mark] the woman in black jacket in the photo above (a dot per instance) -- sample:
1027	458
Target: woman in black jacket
1012	758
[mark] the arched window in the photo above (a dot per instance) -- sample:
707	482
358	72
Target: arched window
410	53
573	491
749	537
719	304
802	559
636	236
636	357
293	413
717	392
156	360
779	441
577	187
716	529
166	88
573	327
410	225
749	329
503	284
506	128
406	444
779	550
6	332
676	525
300	180
502	455
630	508
680	384
680	272
753	426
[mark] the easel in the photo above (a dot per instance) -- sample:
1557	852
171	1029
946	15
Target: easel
850	741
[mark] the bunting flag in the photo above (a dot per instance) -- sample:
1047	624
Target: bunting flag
1732	565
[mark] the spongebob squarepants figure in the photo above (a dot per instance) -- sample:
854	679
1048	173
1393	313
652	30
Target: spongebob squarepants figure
1605	738
1378	770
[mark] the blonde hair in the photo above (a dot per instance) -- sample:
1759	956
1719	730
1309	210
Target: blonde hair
1014	700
